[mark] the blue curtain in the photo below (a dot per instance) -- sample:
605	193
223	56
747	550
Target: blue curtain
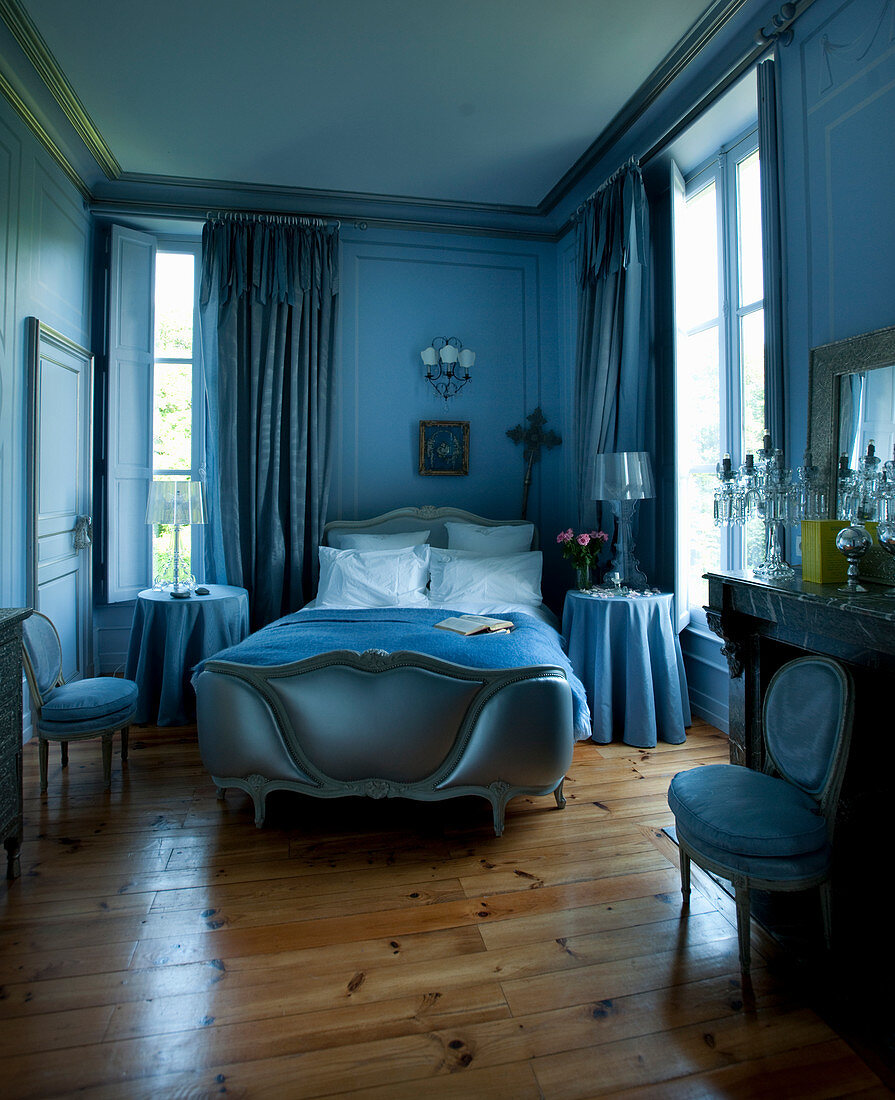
772	264
613	352
268	315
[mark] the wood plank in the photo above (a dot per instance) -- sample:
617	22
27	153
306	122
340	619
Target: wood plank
602	1070
158	944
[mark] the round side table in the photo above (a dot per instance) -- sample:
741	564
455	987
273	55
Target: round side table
628	656
169	637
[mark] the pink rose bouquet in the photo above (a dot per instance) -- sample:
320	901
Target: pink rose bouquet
582	550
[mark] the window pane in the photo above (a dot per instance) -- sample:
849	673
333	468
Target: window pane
174	282
705	537
173	416
696	260
749	229
752	352
699	399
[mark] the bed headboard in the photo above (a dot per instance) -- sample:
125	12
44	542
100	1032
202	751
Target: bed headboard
415	519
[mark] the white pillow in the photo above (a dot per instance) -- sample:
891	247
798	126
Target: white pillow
373	578
492	541
467	581
359	540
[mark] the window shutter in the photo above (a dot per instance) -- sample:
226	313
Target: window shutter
682	538
130	404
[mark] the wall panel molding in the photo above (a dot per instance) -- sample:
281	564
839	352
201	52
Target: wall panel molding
847	76
10	376
397	295
60	235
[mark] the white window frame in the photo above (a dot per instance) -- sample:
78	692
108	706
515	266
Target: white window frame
131	408
721	170
197	436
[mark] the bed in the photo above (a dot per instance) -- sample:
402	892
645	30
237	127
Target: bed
360	694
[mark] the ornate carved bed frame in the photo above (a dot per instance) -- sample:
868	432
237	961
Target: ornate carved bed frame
387	725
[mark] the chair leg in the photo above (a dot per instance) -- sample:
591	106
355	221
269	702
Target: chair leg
107	761
826	908
124	733
685	873
64	754
744	927
43	754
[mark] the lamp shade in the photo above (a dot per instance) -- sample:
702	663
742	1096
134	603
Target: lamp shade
622	475
176	502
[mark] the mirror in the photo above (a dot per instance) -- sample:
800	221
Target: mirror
851	400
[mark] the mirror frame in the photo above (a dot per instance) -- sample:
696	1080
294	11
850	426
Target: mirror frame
828	363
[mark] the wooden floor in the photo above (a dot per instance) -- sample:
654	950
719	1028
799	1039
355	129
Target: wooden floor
158	945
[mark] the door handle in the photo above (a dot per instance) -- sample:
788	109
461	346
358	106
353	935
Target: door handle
82	537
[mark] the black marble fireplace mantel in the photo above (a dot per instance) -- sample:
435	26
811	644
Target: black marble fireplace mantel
763	624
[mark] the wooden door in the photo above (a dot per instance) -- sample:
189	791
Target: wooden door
60	449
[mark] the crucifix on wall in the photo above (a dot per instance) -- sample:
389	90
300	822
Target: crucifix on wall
533	438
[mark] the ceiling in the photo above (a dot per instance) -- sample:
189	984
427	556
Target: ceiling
466	102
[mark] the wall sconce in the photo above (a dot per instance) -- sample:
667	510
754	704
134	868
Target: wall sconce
447	365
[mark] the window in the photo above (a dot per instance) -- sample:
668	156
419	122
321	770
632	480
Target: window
719	361
174	382
154	386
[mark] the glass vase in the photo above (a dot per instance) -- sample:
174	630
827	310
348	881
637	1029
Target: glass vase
583	579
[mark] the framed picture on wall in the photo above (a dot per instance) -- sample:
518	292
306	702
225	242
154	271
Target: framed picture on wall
444	447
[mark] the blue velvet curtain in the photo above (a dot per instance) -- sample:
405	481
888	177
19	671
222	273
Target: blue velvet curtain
268	315
613	352
772	249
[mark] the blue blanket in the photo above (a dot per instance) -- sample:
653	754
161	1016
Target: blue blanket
308	633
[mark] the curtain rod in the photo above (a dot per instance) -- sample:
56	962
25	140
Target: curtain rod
631	162
779	29
272	219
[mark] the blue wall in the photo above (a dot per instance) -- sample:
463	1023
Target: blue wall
399	290
45	255
838	121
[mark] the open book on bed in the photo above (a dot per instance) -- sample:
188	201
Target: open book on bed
475	624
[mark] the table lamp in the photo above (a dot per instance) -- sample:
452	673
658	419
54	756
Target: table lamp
623	478
176	503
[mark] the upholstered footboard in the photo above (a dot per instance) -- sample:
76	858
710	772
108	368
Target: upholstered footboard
385	725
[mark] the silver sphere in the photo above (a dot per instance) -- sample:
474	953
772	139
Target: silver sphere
853	541
885	534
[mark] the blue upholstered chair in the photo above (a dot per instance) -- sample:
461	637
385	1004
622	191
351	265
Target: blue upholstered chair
95	707
773	830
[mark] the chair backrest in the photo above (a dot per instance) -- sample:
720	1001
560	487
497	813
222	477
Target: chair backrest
42	653
807	721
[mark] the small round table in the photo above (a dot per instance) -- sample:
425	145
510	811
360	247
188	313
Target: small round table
169	637
626	652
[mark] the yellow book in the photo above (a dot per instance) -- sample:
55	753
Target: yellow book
822	563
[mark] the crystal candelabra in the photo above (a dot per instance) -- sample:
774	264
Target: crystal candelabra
763	488
867	493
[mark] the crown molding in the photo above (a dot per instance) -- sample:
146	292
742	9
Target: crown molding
43	136
39	54
314	195
111	207
369	208
672	65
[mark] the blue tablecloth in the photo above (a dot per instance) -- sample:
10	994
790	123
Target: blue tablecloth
169	637
627	654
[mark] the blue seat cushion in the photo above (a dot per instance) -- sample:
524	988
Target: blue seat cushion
793	870
737	810
96	700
